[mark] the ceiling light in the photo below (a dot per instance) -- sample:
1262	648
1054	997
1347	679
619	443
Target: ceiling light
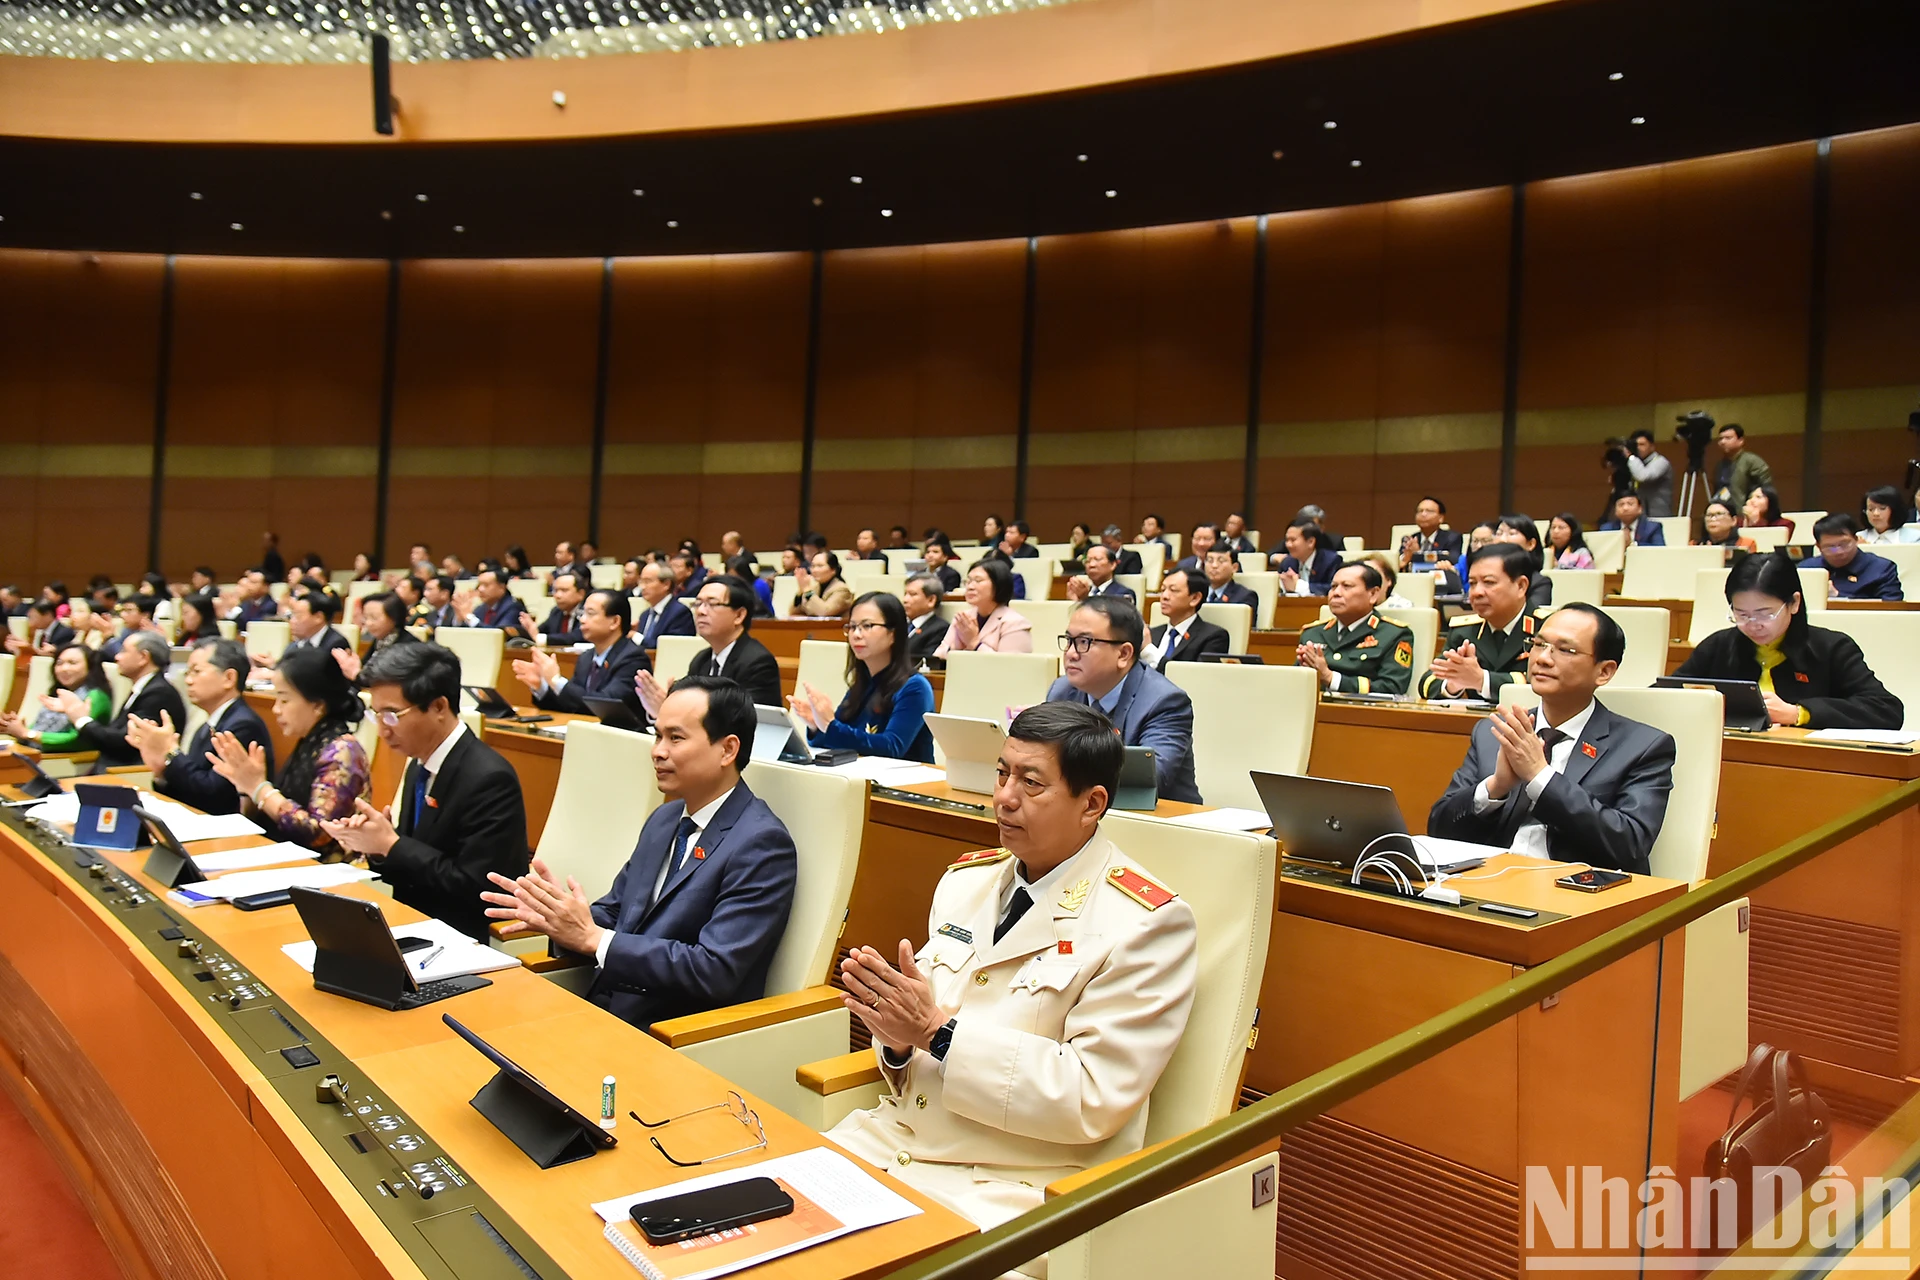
422	197
1082	157
639	191
1111	194
855	179
1353	164
193	195
1330	124
1638	120
386	215
458	228
236	226
886	213
817	202
1278	154
1618	75
672	223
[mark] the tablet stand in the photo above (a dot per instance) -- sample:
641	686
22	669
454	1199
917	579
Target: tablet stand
548	1137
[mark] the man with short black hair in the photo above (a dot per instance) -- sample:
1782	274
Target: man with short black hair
216	677
1014	541
436	603
1357	650
1234	535
562	625
1021	1043
1429	545
1185	636
457	815
897	539
1743	471
1652	475
866	545
938	551
1098	580
45	632
689	574
695	916
1488	647
11	603
722	615
1202	540
1306	567
925	627
1154	529
1103	645
136	618
489	604
1219	566
310	624
1852	574
1571	780
607	670
1642	531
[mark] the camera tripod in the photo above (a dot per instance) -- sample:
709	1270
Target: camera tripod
1696	476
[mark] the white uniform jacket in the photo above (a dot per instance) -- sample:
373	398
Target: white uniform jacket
1062	1030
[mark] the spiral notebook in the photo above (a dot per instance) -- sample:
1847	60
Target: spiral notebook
832	1197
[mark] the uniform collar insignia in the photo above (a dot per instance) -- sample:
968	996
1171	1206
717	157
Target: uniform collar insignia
1075	895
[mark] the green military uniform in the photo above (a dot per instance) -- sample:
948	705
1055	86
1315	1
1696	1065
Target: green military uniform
1371	656
1502	654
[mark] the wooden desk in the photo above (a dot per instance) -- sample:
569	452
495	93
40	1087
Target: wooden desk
196	1165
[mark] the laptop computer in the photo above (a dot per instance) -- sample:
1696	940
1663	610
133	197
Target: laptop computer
972	750
1745	709
1335	823
356	955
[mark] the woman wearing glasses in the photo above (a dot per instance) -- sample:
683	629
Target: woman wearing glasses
1809	675
885	710
987	624
327	770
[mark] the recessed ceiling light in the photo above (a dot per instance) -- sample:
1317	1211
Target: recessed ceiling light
1082	157
422	197
671	223
458	228
1638	120
1353	164
1111	194
236	226
886	213
193	195
856	179
1330	124
386	215
817	202
639	191
1618	75
1278	154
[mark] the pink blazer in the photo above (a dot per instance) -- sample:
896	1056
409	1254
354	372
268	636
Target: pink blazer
1004	631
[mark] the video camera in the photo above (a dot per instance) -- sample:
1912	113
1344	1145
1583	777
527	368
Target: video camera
1696	428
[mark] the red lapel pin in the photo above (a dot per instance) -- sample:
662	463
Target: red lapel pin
699	853
1590	751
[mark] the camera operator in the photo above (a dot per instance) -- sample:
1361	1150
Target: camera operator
1652	475
1744	470
1619	473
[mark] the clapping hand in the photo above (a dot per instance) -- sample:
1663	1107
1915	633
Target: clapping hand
1313	654
349	663
896	1004
812	706
539	901
1079	587
244	766
965	629
1522	754
367	830
652	692
537	670
1460	670
67	703
154	742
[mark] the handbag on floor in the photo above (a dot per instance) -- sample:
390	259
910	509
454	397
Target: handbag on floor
1792	1127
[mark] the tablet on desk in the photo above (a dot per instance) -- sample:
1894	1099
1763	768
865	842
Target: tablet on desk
1746	710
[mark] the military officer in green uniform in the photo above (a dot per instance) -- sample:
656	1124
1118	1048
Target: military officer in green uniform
1488	648
1357	651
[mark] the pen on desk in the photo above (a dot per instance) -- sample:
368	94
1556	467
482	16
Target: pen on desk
431	957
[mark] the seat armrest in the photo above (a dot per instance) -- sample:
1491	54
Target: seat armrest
677	1033
834	1075
503	930
1074	1181
550	964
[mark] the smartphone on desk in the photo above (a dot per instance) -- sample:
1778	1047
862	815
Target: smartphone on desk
702	1213
1592	881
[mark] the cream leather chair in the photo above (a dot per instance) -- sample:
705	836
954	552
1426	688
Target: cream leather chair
8	666
121	686
277	590
984	685
351	630
855	571
607	577
1176	541
229	630
1136	583
1766	539
20	626
269	639
1906	558
39	680
756	1045
1709	605
1647	642
1666	573
358	590
1055	550
1802	521
712	561
1153	561
786	589
1246	718
1425	625
1609	547
1353	544
1891	644
479	650
1397	534
1212	1222
893	584
1253	562
532	595
675	654
1676	529
1586	586
1813	589
1417	589
1049	619
1227	878
1265	586
605	793
823	664
420	633
1253	536
1038	574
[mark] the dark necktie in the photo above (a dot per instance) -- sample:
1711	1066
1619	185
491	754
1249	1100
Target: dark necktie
682	834
1015	909
1551	738
596	671
420	777
1173	640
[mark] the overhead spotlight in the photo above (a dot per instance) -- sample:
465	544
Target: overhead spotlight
236	226
193	195
1279	154
422	197
1618	75
1111	194
1353	164
1638	120
817	202
458	229
886	213
856	179
1082	157
1330	124
672	223
386	215
639	191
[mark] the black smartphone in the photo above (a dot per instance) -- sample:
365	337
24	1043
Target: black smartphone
1593	881
413	944
261	901
701	1213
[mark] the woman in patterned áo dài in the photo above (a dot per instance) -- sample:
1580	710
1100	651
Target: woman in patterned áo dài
326	771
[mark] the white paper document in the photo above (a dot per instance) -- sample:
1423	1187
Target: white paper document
241	883
186	825
265	855
821	1174
61	810
460	954
1878	737
889	772
1224	820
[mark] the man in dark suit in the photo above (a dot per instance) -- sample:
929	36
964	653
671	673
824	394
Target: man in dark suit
562	625
656	611
1184	636
607	671
436	603
1154	529
1124	559
694	918
1487	648
1642	531
721	615
1429	544
216	675
45	632
1098	581
689	575
256	600
1570	781
457	815
136	616
1104	671
925	627
1233	535
937	552
143	660
1015	541
1306	568
1852	574
1219	565
489	605
310	623
1204	538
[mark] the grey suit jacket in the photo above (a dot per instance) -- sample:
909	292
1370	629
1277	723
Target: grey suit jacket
1154	712
1604	809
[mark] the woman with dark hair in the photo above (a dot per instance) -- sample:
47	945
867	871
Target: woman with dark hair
514	561
1568	542
1810	676
828	595
1477	537
1523	532
992	529
1079	540
938	551
1722	528
364	569
987	624
999	556
199	620
327	770
1762	510
383	619
885	710
1883	518
76	668
156	587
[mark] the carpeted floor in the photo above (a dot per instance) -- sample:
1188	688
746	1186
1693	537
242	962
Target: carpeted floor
44	1231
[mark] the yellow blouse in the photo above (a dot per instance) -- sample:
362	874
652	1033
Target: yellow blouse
1771	656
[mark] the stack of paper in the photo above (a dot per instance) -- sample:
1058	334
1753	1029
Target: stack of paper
889	772
241	883
1224	820
459	954
262	855
1876	737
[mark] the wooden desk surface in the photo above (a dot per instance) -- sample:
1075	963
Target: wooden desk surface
430	1074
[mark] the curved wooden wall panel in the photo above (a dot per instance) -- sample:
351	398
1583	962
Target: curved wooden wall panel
1073	47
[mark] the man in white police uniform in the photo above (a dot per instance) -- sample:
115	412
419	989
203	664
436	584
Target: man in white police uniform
1019	1045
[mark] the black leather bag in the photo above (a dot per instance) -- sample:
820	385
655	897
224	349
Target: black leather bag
1792	1127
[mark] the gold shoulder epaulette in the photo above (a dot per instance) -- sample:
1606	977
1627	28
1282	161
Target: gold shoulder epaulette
981	858
1148	892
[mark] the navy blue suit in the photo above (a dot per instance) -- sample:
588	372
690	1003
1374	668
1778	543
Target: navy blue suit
1154	712
613	678
695	580
259	609
1118	590
326	641
188	777
1645	534
504	614
670	618
1233	593
709	939
1319	573
561	627
1869	577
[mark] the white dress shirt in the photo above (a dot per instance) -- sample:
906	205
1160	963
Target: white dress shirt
1175	631
1531	838
702	818
720	657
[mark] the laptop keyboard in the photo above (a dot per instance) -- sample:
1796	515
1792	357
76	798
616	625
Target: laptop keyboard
443	989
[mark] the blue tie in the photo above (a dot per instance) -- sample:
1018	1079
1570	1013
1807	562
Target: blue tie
681	836
419	798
